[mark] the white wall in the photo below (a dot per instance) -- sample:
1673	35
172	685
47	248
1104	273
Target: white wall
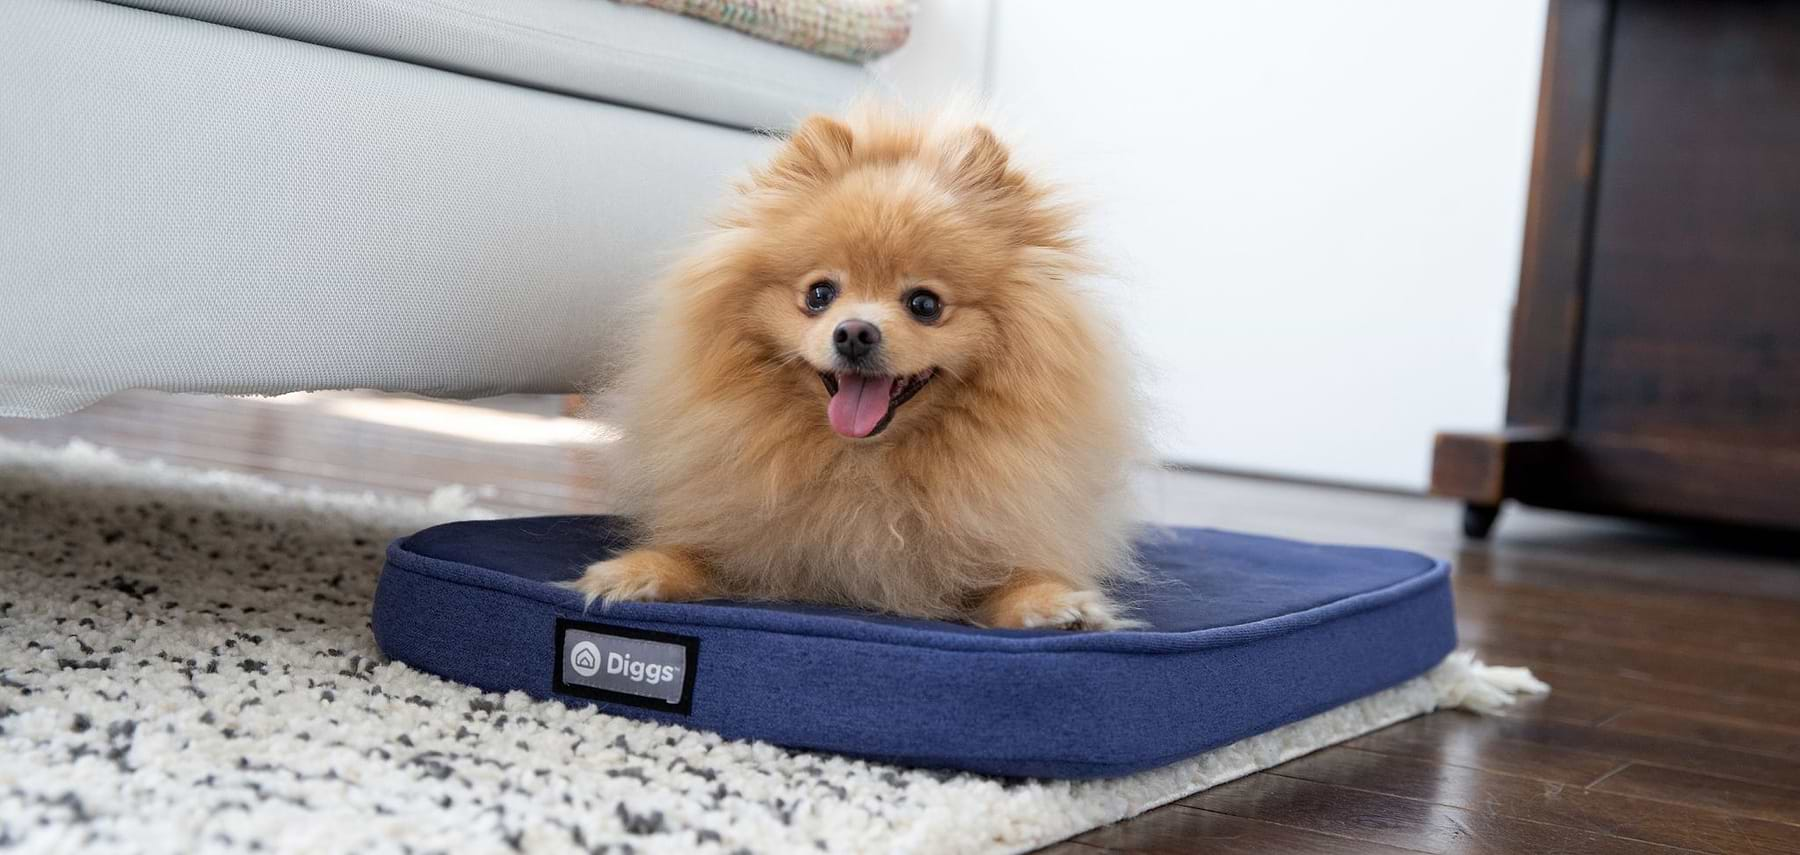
1315	207
946	55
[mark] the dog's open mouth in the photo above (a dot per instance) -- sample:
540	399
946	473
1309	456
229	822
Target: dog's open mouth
863	404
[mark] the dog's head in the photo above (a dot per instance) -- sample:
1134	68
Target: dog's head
890	268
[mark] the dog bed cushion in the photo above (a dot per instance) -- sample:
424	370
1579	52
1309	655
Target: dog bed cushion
1244	634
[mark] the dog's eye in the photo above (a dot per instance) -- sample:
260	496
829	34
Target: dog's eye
819	296
924	305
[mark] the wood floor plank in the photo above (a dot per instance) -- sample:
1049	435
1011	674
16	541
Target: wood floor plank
1582	554
1623	612
1637	691
1542	585
1739	798
1779	685
1069	847
1488	751
1598	811
1174	829
1482	619
1567	706
1390	820
1716	762
1709	730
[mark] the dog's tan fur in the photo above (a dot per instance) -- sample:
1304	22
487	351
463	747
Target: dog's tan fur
997	495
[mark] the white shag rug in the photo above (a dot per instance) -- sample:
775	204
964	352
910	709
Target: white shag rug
186	665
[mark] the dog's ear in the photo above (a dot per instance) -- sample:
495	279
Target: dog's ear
818	149
979	161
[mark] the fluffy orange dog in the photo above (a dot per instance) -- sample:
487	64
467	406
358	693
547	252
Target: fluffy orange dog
878	385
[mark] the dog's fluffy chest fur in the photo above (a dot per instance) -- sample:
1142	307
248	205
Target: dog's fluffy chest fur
852	526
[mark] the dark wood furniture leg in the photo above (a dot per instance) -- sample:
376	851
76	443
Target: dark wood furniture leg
1484	470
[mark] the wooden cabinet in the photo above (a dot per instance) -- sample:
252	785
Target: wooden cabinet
1655	364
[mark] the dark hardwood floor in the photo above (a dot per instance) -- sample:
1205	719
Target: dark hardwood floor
1675	653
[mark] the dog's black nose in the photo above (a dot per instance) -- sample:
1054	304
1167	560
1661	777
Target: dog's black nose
855	340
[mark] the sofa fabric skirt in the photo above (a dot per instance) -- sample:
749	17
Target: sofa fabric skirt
197	208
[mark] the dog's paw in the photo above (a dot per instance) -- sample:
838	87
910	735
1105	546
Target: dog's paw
1052	606
641	575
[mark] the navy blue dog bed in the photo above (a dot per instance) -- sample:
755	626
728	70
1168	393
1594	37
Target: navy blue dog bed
1246	634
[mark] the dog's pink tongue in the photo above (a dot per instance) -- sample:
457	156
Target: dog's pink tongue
860	404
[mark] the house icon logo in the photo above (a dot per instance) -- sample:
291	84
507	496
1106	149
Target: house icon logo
585	659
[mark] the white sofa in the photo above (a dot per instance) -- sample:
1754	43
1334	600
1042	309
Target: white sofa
449	197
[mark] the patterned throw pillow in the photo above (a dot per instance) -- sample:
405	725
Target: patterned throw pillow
854	30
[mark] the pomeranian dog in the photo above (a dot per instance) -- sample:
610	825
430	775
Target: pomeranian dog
877	384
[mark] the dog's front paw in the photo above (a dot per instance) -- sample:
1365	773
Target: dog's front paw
643	574
1051	605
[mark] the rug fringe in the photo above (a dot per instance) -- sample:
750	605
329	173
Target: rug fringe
1465	682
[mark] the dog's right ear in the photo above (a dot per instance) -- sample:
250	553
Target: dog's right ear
818	149
981	161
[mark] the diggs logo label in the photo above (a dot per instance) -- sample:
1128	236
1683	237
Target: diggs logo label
625	665
642	672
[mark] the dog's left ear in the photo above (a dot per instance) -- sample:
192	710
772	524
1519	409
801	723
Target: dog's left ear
979	161
818	149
